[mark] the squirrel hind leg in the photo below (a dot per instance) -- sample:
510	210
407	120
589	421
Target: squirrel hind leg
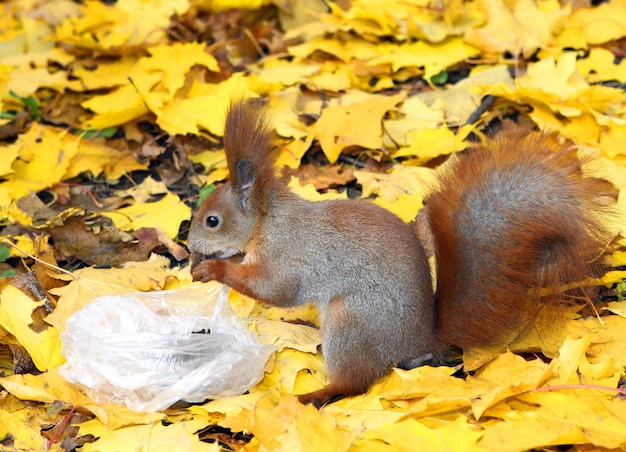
353	363
346	381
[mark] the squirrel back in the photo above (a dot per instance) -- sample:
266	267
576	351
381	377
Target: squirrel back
512	217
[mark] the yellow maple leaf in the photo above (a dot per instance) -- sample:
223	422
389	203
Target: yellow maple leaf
205	106
288	424
9	154
100	26
298	372
506	376
44	347
154	81
357	124
285	73
417	115
460	100
599	66
309	192
122	105
108	74
210	159
553	418
401	180
558	76
288	335
325	431
406	19
167	213
25	73
554	86
89	283
612	141
434	58
24	435
14	214
284	117
49	387
458	435
95	156
45	154
573	366
334	76
183	55
153	436
507	27
427	144
345	50
405	206
609	341
602	23
220	5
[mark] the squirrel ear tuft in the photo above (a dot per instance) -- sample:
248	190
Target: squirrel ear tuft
246	176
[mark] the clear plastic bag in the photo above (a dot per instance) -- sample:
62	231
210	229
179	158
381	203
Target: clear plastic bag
148	350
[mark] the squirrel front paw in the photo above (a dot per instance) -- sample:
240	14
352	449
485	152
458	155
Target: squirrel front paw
206	269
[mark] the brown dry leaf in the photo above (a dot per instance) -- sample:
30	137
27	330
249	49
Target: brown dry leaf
98	242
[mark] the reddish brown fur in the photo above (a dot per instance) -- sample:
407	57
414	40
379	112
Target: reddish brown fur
512	217
247	135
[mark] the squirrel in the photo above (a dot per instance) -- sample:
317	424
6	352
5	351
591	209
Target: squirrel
511	221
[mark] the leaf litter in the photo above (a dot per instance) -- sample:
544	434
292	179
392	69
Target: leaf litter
106	146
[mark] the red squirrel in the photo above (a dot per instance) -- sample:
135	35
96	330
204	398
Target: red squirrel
509	218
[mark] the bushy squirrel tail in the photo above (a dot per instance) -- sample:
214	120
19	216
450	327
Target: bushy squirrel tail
513	222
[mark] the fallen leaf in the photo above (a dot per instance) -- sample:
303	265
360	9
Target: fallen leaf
44	347
354	125
167	213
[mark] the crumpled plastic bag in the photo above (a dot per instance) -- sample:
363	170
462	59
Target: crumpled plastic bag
148	350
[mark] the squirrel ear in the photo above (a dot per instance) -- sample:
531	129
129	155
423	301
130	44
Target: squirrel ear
246	176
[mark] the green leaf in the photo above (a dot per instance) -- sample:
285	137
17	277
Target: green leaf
8	273
5	252
30	102
95	133
621	290
204	192
440	78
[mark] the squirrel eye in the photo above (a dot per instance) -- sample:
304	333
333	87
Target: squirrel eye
212	221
